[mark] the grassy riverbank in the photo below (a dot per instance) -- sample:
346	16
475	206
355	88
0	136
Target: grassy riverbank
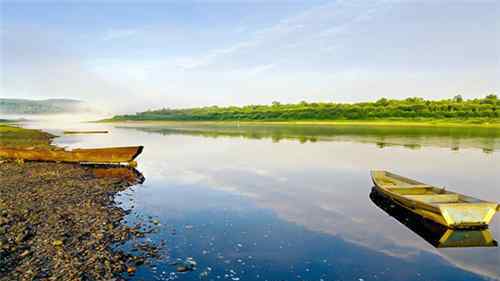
12	136
59	221
448	123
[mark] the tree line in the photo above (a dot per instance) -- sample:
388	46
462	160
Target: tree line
50	106
409	108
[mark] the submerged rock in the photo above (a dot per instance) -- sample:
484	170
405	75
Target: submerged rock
189	264
131	270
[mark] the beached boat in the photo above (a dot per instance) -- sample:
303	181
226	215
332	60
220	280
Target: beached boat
447	208
111	155
436	234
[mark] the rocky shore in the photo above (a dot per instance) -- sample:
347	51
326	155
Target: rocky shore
60	221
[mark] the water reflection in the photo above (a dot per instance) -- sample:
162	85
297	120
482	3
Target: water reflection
126	173
294	205
436	234
486	139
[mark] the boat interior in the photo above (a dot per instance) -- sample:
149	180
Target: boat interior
418	191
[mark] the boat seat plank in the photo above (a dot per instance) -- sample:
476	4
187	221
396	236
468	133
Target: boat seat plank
412	186
414	190
436	198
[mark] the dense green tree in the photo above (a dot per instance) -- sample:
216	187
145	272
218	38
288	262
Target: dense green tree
458	98
412	107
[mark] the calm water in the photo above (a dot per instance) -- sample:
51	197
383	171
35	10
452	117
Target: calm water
292	203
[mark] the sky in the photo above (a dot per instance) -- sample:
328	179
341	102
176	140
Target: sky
129	56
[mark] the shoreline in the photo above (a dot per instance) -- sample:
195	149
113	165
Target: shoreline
61	220
375	123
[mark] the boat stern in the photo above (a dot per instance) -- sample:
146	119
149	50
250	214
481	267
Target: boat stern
468	215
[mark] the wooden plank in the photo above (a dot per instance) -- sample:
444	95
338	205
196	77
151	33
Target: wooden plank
84	132
435	198
413	191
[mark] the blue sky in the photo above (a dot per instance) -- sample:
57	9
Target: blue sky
135	55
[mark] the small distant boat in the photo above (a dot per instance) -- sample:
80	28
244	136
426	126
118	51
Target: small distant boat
84	132
447	208
111	155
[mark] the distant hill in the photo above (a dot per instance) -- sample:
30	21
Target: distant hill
48	106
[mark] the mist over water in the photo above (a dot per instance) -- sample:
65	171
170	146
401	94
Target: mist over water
56	120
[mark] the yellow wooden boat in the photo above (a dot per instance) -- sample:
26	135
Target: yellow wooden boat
111	155
447	208
436	234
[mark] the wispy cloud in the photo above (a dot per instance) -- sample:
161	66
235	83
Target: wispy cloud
113	34
261	68
341	50
212	55
319	28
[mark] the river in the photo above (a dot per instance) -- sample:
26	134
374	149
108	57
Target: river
293	203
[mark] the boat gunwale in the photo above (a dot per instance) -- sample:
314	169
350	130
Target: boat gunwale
139	149
135	151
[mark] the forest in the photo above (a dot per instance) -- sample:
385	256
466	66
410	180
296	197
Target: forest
410	108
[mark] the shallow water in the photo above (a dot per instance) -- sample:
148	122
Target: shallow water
292	203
